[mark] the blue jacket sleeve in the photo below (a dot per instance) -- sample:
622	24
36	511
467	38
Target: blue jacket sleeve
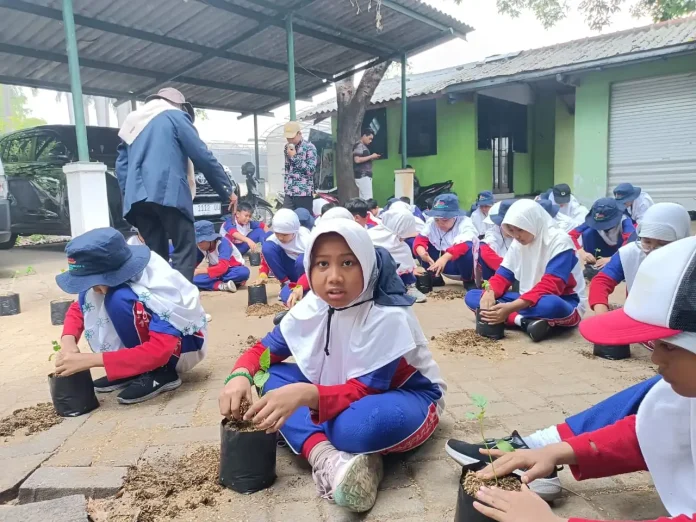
628	231
614	268
562	265
275	342
199	154
122	166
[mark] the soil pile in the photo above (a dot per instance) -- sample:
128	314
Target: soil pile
241	426
262	310
34	419
472	483
449	294
467	341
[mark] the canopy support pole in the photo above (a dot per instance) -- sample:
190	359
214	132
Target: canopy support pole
75	83
404	114
291	66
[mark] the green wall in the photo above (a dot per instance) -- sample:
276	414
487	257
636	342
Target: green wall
543	140
564	155
592	120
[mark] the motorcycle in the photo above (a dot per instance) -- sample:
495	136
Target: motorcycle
262	210
424	197
321	198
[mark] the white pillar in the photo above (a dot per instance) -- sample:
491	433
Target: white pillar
403	183
89	205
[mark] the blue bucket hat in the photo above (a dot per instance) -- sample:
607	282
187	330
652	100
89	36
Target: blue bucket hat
504	206
205	231
604	214
485	199
625	193
306	219
549	207
446	206
101	257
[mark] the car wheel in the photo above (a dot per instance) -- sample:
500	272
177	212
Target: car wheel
263	214
9	244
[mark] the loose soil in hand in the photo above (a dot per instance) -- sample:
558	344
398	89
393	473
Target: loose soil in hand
262	310
472	484
449	294
161	491
33	419
470	343
241	426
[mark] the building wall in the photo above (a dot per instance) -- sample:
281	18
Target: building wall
592	120
543	140
564	150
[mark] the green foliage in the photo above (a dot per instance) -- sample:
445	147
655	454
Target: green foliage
597	251
56	348
20	115
262	375
486	286
504	446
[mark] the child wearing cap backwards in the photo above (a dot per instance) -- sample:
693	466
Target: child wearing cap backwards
543	260
224	270
397	225
283	252
569	206
484	202
495	243
659	438
448	242
142	319
363	382
361	213
636	201
606	229
242	232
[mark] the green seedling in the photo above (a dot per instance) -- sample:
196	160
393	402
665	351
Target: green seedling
56	349
486	286
597	251
262	375
481	403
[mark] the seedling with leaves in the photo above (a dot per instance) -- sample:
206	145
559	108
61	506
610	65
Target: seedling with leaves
56	349
486	286
597	252
262	375
481	403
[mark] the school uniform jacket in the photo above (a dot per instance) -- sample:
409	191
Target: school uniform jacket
230	226
493	247
590	241
623	266
227	257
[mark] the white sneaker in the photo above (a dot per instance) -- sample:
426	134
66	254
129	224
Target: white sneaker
412	291
227	286
351	481
208	318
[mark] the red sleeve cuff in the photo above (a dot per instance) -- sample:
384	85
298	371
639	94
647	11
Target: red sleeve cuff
458	250
601	288
549	285
575	236
74	321
152	354
420	241
489	257
218	270
250	359
263	269
499	285
335	399
303	282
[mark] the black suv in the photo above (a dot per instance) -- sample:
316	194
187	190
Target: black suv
34	159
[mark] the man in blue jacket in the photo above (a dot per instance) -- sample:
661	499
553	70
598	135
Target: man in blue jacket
155	165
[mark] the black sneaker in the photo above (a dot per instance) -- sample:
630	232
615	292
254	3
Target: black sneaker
537	329
279	317
149	385
104	385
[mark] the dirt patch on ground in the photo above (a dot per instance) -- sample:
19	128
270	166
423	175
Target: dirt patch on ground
472	483
449	294
33	420
470	343
262	310
249	341
159	491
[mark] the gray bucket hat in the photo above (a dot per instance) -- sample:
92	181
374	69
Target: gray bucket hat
174	96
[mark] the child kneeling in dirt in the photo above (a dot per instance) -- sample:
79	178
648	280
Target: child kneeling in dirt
225	269
142	319
364	382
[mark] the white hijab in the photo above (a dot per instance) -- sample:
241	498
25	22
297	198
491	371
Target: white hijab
397	225
285	221
162	290
401	205
494	237
573	209
337	212
528	262
363	336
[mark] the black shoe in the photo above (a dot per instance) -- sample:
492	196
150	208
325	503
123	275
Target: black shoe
104	385
537	329
150	385
279	317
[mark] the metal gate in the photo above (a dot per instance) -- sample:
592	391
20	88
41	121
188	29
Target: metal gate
652	137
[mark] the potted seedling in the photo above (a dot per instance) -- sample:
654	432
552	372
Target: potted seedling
424	281
591	270
255	256
470	483
247	455
257	294
9	300
73	395
484	329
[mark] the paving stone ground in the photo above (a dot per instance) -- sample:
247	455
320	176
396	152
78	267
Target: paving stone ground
526	391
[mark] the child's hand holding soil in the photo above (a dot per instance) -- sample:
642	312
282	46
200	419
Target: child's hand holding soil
238	389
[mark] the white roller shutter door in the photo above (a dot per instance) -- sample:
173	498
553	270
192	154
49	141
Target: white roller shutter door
652	137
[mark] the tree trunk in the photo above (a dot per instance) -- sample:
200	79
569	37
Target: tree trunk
351	103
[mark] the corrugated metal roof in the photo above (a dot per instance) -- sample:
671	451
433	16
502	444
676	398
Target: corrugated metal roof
136	47
673	37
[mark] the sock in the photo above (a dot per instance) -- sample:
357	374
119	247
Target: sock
319	453
216	285
518	320
542	438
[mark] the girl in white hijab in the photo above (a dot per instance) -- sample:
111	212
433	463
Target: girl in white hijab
495	243
397	225
363	382
283	251
662	224
543	260
661	437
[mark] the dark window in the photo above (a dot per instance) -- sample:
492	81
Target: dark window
502	165
48	148
422	129
376	119
18	150
501	119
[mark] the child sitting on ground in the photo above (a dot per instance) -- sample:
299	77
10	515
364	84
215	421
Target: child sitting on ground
659	438
543	260
569	206
142	319
305	217
361	214
363	382
635	200
242	232
374	209
606	229
495	243
224	269
560	220
484	202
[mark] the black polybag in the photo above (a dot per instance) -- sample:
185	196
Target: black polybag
247	459
73	395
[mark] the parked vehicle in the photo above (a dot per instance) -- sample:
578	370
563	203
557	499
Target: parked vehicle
321	198
425	196
34	160
262	209
5	231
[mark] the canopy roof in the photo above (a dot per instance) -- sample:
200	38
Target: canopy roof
222	54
